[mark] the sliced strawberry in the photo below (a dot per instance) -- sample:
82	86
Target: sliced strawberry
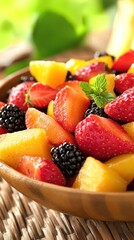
41	169
122	107
17	95
39	95
75	84
87	72
69	108
123	63
102	138
124	81
55	133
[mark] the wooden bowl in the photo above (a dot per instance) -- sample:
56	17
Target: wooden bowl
101	206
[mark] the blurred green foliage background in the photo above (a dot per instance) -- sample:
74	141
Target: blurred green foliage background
52	26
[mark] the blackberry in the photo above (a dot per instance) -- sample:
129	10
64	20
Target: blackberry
27	79
68	158
12	118
94	109
70	76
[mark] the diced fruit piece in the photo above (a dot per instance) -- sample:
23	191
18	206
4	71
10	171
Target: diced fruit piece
31	142
123	165
3	130
131	69
102	138
123	63
75	84
124	81
129	128
93	69
107	59
69	108
17	95
39	95
55	133
122	108
2	104
74	64
51	73
96	176
110	83
50	109
40	169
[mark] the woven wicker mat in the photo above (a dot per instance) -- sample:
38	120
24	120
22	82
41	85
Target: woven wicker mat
21	218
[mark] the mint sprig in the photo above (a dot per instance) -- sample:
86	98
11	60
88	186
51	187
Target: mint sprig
97	90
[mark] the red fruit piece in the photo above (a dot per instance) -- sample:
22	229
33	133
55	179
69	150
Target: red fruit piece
39	95
55	133
1	104
2	130
75	84
124	81
122	107
69	108
17	95
102	138
123	63
40	169
87	72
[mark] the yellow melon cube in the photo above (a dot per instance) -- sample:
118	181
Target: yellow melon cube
129	128
75	64
131	69
51	73
31	142
50	110
96	176
123	165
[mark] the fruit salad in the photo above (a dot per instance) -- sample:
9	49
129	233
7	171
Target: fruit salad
72	123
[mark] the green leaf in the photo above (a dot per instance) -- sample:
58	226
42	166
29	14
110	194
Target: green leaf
97	90
100	83
54	33
99	100
108	96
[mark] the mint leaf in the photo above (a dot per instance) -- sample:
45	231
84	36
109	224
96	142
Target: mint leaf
100	83
97	90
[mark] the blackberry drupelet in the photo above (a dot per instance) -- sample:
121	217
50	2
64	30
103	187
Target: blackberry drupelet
94	109
27	79
68	158
70	76
12	118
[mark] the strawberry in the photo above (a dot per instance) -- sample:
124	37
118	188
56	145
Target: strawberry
124	81
40	169
123	63
17	95
102	138
69	108
75	84
39	95
87	72
1	104
55	133
122	108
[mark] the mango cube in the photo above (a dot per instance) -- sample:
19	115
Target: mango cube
32	142
123	165
51	73
96	176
